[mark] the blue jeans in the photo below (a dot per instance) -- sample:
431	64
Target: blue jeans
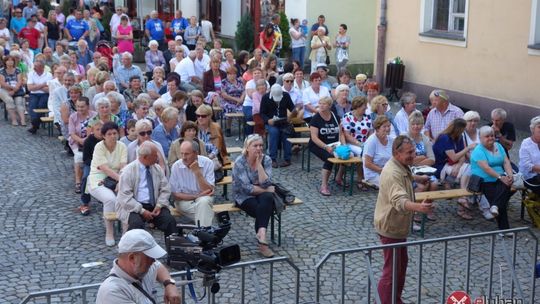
299	54
37	101
275	135
52	44
85	197
248	116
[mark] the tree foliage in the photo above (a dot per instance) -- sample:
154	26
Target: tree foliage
286	37
244	33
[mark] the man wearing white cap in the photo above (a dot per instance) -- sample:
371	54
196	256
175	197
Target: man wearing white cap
134	272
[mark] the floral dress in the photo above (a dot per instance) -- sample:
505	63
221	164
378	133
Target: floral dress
234	90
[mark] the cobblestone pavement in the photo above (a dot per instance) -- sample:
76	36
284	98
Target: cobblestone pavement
44	240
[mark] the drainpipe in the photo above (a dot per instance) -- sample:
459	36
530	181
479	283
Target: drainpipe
381	45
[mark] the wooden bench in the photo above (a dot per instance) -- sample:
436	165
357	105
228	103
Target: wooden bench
227	180
301	130
350	164
240	118
229	207
231	150
302	141
49	124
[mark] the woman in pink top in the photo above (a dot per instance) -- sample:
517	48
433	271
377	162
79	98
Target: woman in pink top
124	36
257	97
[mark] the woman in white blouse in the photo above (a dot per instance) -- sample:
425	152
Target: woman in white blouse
529	157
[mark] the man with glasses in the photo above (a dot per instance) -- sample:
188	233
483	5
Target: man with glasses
17	23
441	115
143	193
393	214
192	184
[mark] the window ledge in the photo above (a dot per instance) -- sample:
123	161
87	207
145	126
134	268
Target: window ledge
443	35
535	46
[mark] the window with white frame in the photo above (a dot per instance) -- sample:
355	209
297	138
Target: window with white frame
445	19
534	34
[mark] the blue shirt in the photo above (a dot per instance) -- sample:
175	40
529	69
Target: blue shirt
155	27
494	160
179	24
76	28
17	24
165	139
123	74
443	144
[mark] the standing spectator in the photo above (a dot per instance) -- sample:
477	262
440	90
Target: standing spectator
52	30
153	58
116	19
179	24
124	36
233	95
320	45
320	22
408	105
60	18
17	23
325	130
192	184
358	88
377	150
12	91
252	188
32	35
94	31
312	95
274	108
529	157
76	28
342	44
5	33
155	31
490	163
192	33
110	157
207	29
30	10
143	193
127	70
505	133
393	216
276	19
39	93
441	115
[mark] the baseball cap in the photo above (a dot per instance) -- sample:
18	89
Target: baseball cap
139	240
178	38
361	77
440	93
276	92
322	65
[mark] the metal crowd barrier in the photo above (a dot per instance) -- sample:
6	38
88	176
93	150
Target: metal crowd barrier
81	292
371	287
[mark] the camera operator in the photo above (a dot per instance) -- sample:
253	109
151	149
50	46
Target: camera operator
143	193
135	271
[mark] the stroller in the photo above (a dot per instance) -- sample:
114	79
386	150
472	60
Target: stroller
105	48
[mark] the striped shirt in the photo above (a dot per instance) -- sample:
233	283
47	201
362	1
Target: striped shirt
183	180
436	121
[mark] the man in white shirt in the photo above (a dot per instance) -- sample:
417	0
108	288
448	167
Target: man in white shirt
296	96
115	20
202	61
55	83
39	92
186	69
408	105
143	193
207	29
192	184
60	95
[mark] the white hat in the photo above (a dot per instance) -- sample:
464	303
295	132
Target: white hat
276	92
322	65
178	38
139	240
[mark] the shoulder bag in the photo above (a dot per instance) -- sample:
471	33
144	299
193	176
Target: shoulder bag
327	61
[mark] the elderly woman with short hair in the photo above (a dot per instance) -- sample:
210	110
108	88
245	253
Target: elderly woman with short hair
529	157
377	150
470	135
320	45
104	114
408	105
153	58
144	131
116	100
379	107
157	83
109	157
77	135
342	103
167	132
252	187
489	162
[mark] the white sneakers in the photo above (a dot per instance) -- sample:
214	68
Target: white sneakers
494	210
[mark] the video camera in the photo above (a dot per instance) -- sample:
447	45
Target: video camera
198	249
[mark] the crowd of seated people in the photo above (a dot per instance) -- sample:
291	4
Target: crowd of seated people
114	116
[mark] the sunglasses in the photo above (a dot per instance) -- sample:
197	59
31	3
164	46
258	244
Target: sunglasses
201	116
384	104
145	133
287	81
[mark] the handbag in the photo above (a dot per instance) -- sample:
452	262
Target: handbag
284	193
110	183
475	184
327	61
519	183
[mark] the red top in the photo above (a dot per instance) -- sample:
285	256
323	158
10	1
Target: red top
32	35
268	42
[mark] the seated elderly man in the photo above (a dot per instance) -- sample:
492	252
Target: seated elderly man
135	88
441	115
529	157
192	184
505	133
143	193
125	71
135	270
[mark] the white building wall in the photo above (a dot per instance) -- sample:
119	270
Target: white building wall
296	9
189	8
231	12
